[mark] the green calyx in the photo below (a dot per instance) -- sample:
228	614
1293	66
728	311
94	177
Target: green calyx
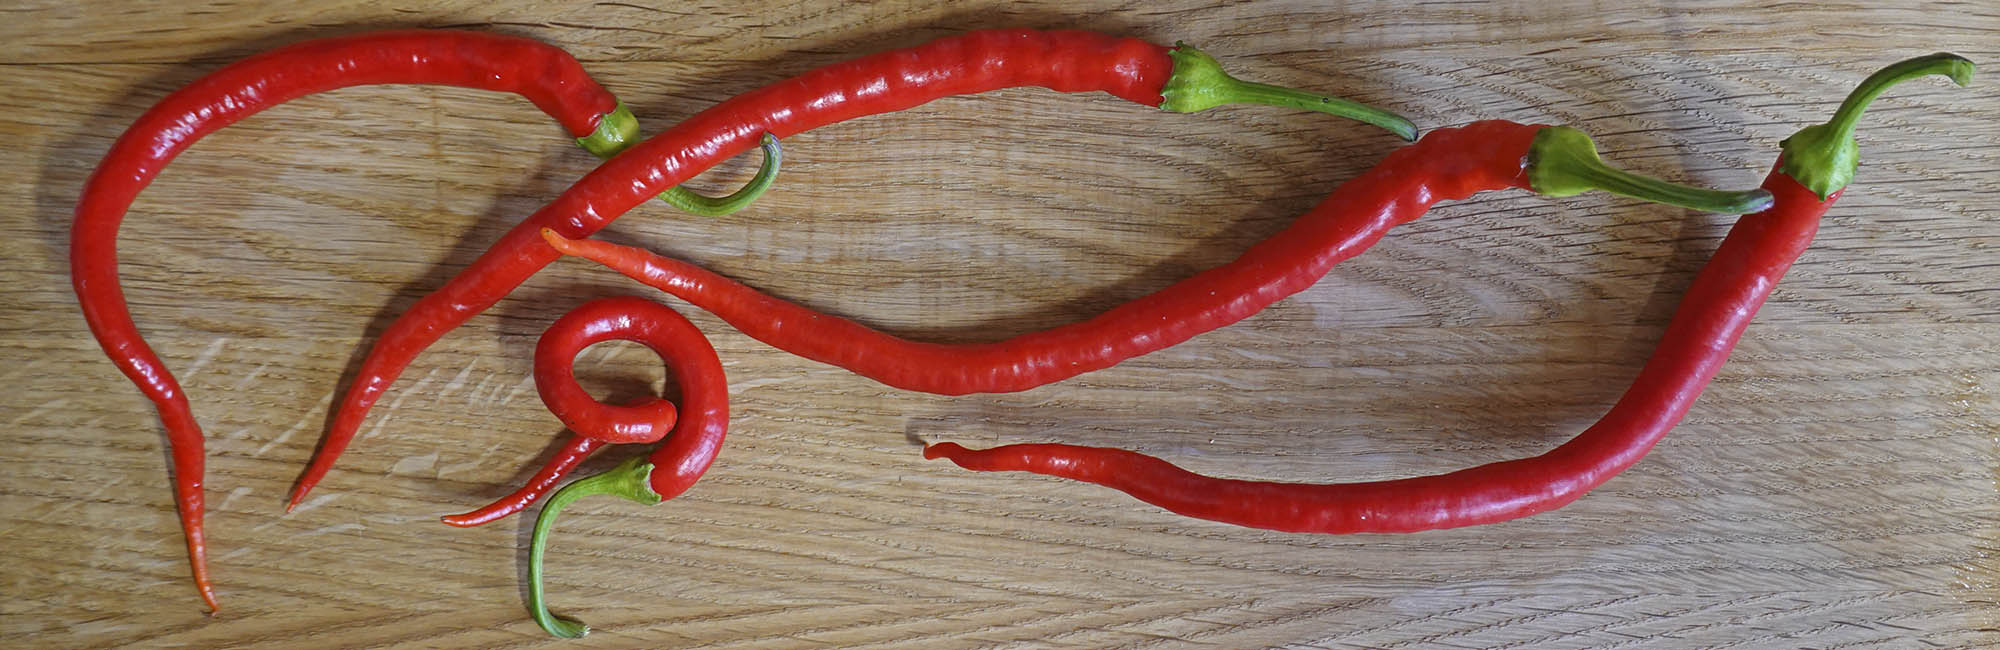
619	129
616	130
1563	162
1823	157
1198	84
629	480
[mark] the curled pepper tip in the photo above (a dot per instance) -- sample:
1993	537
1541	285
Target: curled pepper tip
628	480
1564	162
1198	83
1824	157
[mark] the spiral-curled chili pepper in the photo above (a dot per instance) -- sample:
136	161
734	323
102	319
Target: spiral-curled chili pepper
1178	79
1814	165
545	75
697	425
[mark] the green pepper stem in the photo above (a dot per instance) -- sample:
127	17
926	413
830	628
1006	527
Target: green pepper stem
1823	157
627	480
616	130
619	129
1198	84
689	201
1563	161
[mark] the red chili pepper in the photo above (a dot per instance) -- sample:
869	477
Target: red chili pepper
1445	165
1180	79
545	75
696	438
1815	165
1448	164
690	359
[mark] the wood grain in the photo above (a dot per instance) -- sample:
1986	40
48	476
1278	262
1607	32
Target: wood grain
1836	487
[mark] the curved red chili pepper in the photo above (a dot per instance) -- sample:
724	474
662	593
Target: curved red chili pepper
1065	61
544	74
644	420
1448	164
1720	303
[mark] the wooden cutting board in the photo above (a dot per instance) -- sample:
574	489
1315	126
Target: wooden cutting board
1834	488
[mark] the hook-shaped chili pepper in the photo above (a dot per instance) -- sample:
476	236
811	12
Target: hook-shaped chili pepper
545	75
1814	166
1066	61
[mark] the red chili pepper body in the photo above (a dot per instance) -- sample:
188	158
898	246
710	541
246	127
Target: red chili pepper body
976	62
1447	164
1817	162
1717	308
544	74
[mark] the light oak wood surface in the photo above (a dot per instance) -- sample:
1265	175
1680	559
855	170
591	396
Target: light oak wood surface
1835	487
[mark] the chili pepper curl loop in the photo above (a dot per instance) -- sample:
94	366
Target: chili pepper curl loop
697	427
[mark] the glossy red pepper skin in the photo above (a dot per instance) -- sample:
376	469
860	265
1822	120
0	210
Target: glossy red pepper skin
644	420
1722	301
704	391
1447	164
1066	61
544	481
697	427
543	74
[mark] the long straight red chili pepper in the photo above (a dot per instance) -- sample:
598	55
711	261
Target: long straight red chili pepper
1066	61
545	75
1448	164
1815	164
